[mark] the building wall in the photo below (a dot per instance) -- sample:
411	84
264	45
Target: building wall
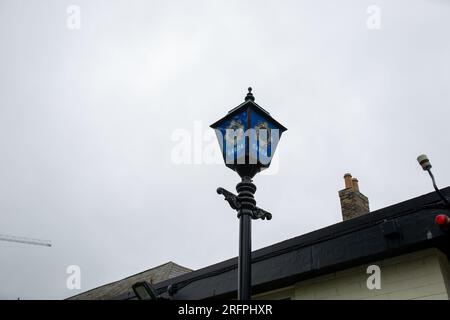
420	275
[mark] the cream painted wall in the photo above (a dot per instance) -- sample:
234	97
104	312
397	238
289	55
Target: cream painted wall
420	275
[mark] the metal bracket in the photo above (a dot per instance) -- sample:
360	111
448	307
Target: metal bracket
234	203
261	214
230	197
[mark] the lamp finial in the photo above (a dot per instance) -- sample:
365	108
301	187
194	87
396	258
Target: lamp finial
250	95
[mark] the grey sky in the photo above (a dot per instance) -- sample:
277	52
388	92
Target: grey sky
87	116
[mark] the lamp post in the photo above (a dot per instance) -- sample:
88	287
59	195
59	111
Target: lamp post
248	137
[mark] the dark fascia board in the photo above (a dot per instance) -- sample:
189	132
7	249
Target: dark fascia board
342	245
247	105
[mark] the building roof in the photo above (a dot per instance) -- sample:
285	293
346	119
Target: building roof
398	229
123	288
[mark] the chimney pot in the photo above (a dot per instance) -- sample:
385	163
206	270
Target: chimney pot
355	184
348	180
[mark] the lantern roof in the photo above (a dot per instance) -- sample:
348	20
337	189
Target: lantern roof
249	103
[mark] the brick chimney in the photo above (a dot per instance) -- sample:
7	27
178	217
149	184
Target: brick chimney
353	202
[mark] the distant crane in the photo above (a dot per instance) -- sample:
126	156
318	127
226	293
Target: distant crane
37	242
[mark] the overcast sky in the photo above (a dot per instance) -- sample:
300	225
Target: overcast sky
89	117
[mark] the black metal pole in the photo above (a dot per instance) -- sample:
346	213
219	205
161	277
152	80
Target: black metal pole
246	189
245	258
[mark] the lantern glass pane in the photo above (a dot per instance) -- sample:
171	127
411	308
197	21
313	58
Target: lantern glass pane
231	136
264	138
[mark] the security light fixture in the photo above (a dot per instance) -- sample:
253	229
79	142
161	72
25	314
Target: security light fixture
426	166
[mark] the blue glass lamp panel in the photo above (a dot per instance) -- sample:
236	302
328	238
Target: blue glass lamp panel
263	139
231	136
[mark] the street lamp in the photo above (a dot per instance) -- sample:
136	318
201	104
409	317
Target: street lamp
442	220
426	166
248	137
